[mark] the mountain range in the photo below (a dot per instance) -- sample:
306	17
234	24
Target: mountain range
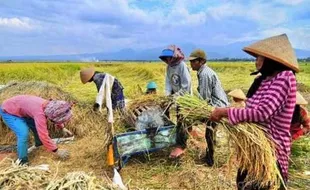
213	52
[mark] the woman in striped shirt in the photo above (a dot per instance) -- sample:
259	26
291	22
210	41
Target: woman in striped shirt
271	99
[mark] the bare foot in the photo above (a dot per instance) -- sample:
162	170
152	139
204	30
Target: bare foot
177	152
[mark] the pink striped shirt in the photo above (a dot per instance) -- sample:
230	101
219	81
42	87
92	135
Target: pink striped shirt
272	106
31	106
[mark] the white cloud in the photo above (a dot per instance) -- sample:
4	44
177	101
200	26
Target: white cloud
20	23
265	14
298	36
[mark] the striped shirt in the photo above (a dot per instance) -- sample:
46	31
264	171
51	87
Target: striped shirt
272	106
210	88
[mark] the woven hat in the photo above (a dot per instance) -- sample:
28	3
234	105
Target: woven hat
237	93
300	100
87	74
198	53
277	48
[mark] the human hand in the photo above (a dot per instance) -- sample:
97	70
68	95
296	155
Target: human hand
218	113
305	131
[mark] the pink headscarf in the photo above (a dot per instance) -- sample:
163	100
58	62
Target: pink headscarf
58	111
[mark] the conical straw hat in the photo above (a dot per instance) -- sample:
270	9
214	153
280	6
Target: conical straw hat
277	48
237	93
300	100
87	74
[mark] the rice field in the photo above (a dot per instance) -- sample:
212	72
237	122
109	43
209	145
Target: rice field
154	171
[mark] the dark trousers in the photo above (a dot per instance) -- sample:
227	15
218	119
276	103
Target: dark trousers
182	136
241	185
210	138
181	131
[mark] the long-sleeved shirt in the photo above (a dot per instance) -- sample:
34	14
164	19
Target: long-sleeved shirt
31	107
297	129
178	78
210	88
272	106
117	94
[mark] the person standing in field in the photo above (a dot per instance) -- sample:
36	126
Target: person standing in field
270	101
107	85
24	112
210	89
178	82
238	98
300	124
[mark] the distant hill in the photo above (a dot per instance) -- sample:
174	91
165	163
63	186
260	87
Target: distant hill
213	52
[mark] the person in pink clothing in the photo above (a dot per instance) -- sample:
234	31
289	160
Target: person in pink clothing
23	112
270	100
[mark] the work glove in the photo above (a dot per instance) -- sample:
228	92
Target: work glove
66	133
63	154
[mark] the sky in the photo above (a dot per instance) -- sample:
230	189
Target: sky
56	27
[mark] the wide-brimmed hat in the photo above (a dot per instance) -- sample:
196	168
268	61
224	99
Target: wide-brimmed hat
300	100
277	48
87	74
237	93
198	53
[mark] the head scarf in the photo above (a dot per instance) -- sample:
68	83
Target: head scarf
58	111
177	57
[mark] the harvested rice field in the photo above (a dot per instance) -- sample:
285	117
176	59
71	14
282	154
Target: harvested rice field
87	168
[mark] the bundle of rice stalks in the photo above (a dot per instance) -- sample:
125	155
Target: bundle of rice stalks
14	176
84	120
255	150
77	181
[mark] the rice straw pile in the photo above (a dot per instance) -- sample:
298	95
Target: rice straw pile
254	149
15	176
76	181
84	120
